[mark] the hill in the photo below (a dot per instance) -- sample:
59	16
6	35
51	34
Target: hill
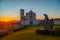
57	21
28	33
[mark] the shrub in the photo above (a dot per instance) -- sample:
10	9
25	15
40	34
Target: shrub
45	32
52	32
38	31
48	32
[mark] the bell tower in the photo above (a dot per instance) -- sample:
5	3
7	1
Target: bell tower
21	14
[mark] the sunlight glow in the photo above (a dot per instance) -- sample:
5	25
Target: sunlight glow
6	20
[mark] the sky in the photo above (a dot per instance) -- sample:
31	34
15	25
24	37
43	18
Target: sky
11	8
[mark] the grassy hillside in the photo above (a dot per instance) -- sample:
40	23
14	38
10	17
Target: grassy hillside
28	33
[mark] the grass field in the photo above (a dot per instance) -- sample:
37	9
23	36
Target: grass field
28	33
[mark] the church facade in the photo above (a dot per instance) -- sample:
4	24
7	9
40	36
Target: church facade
29	18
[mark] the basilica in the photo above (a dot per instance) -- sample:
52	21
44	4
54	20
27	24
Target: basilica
29	18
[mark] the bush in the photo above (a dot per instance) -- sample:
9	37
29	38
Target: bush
52	32
38	31
45	32
48	32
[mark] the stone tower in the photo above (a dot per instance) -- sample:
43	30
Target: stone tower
21	14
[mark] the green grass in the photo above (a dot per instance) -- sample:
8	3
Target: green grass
28	33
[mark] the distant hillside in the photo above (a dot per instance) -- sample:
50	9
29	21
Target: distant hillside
57	21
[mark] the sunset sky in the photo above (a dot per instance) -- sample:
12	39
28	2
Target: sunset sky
9	9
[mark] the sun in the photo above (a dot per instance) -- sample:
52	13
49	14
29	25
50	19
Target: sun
6	20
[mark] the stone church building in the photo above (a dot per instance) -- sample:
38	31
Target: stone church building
29	18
